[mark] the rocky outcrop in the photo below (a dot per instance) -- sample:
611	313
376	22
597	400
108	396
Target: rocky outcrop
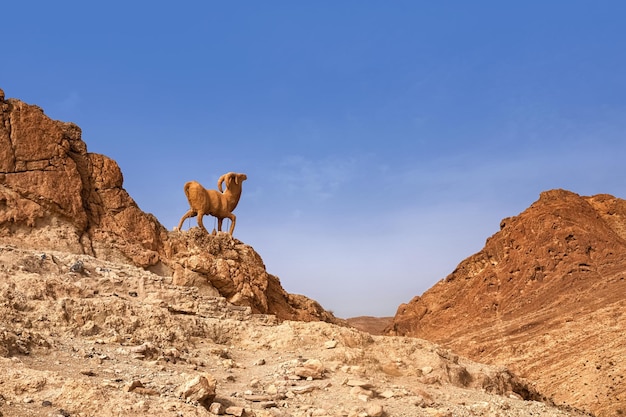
55	195
221	265
544	296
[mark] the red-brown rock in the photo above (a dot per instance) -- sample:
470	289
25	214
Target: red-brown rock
545	296
49	182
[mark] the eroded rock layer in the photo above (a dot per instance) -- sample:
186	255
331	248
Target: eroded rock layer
546	296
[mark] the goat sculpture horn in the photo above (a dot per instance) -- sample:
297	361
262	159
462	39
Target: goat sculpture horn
220	181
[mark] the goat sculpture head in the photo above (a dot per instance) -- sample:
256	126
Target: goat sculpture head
231	178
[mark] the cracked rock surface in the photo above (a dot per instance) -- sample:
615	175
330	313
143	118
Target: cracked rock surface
113	339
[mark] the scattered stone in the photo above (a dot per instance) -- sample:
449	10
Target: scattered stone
234	411
229	364
258	397
143	351
46	403
331	344
201	389
77	267
134	385
28	400
143	348
387	394
391	369
88	373
259	362
304	389
268	404
374	410
361	393
172	353
312	368
358	383
216	408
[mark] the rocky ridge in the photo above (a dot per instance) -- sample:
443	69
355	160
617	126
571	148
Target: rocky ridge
545	297
54	195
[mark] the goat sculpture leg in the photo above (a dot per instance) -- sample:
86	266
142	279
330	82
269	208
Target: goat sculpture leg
232	225
233	219
200	223
190	213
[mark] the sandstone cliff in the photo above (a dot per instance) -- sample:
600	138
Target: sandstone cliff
54	195
546	296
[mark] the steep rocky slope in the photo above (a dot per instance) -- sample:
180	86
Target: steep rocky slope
54	195
545	296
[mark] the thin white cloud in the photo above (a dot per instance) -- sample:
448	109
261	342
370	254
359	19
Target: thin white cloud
312	179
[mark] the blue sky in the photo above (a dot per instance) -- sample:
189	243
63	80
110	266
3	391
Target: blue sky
383	141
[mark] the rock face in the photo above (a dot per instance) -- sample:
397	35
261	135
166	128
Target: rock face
54	195
221	265
545	296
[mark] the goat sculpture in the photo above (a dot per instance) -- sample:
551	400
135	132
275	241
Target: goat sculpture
216	203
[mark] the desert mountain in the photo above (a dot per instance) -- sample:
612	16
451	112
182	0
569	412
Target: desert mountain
54	195
105	313
545	296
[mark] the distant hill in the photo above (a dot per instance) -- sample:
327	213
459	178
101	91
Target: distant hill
369	324
546	296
